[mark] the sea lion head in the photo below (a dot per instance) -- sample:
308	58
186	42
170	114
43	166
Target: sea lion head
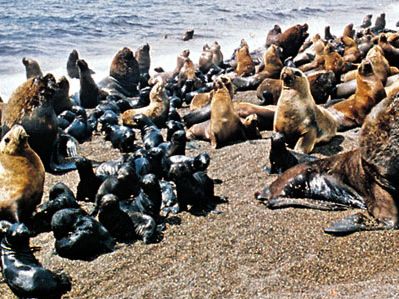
109	202
126	173
366	68
32	68
125	69
149	182
215	47
17	236
179	136
82	65
201	162
383	38
15	141
293	78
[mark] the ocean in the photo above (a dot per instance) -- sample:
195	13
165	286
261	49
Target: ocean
48	30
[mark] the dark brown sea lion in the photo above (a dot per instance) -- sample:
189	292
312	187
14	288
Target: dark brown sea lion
366	177
61	96
369	91
390	52
21	176
31	105
124	75
89	93
297	115
366	21
349	31
379	24
72	67
32	68
143	58
272	35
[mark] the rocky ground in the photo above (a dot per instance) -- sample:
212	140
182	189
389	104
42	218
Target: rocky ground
247	251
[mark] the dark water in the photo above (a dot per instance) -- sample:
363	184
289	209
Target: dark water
48	30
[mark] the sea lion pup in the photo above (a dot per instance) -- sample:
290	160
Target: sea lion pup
272	35
32	68
390	52
245	65
365	177
225	124
89	94
291	40
369	91
72	67
202	99
379	24
23	273
22	176
349	31
366	21
88	182
298	115
143	58
351	52
157	110
124	75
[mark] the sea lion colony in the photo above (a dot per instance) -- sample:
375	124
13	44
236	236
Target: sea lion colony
318	85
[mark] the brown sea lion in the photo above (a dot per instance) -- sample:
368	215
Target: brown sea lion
298	115
349	31
225	124
272	64
369	91
21	176
143	58
365	178
291	39
32	68
264	115
202	99
351	52
124	75
390	52
245	65
187	72
157	110
211	56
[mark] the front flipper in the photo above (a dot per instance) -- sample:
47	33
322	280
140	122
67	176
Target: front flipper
355	223
285	202
64	154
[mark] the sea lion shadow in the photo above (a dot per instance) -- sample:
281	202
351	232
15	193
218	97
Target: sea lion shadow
173	220
330	148
210	208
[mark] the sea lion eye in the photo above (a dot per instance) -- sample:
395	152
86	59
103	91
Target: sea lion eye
297	73
7	140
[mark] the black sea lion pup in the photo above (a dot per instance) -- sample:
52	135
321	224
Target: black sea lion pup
150	134
169	197
121	137
60	197
32	68
281	158
61	100
88	182
176	146
23	273
365	177
79	129
79	236
21	176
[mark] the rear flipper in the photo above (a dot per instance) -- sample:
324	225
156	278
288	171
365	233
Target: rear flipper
356	223
285	202
64	154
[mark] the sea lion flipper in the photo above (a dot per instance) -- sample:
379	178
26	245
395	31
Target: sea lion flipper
354	223
306	143
285	202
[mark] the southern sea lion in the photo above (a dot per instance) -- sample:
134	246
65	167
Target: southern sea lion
21	177
365	177
72	67
143	58
32	68
349	31
272	35
245	64
390	52
379	24
211	56
351	52
366	21
369	91
297	115
89	93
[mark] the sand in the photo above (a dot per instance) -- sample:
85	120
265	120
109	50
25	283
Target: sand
247	251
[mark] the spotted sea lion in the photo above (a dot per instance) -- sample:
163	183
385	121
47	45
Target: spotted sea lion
124	75
157	110
32	68
298	115
21	177
365	177
369	91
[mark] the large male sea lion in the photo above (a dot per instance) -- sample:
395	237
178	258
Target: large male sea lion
297	115
21	176
366	177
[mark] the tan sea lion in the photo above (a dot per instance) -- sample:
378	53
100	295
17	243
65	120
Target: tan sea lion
298	115
210	56
165	76
21	176
351	52
245	64
365	178
349	31
272	64
369	91
157	110
32	68
187	72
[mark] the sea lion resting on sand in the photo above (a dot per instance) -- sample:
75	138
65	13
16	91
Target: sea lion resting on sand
298	115
21	176
369	91
366	177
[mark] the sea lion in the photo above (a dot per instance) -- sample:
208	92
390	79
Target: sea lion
189	34
225	124
245	65
72	67
379	24
23	273
124	75
272	35
351	52
157	110
121	137
390	52
22	176
272	64
327	34
298	115
89	183
366	21
365	177
176	145
211	56
186	73
89	93
143	58
61	100
264	115
349	31
369	91
32	68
